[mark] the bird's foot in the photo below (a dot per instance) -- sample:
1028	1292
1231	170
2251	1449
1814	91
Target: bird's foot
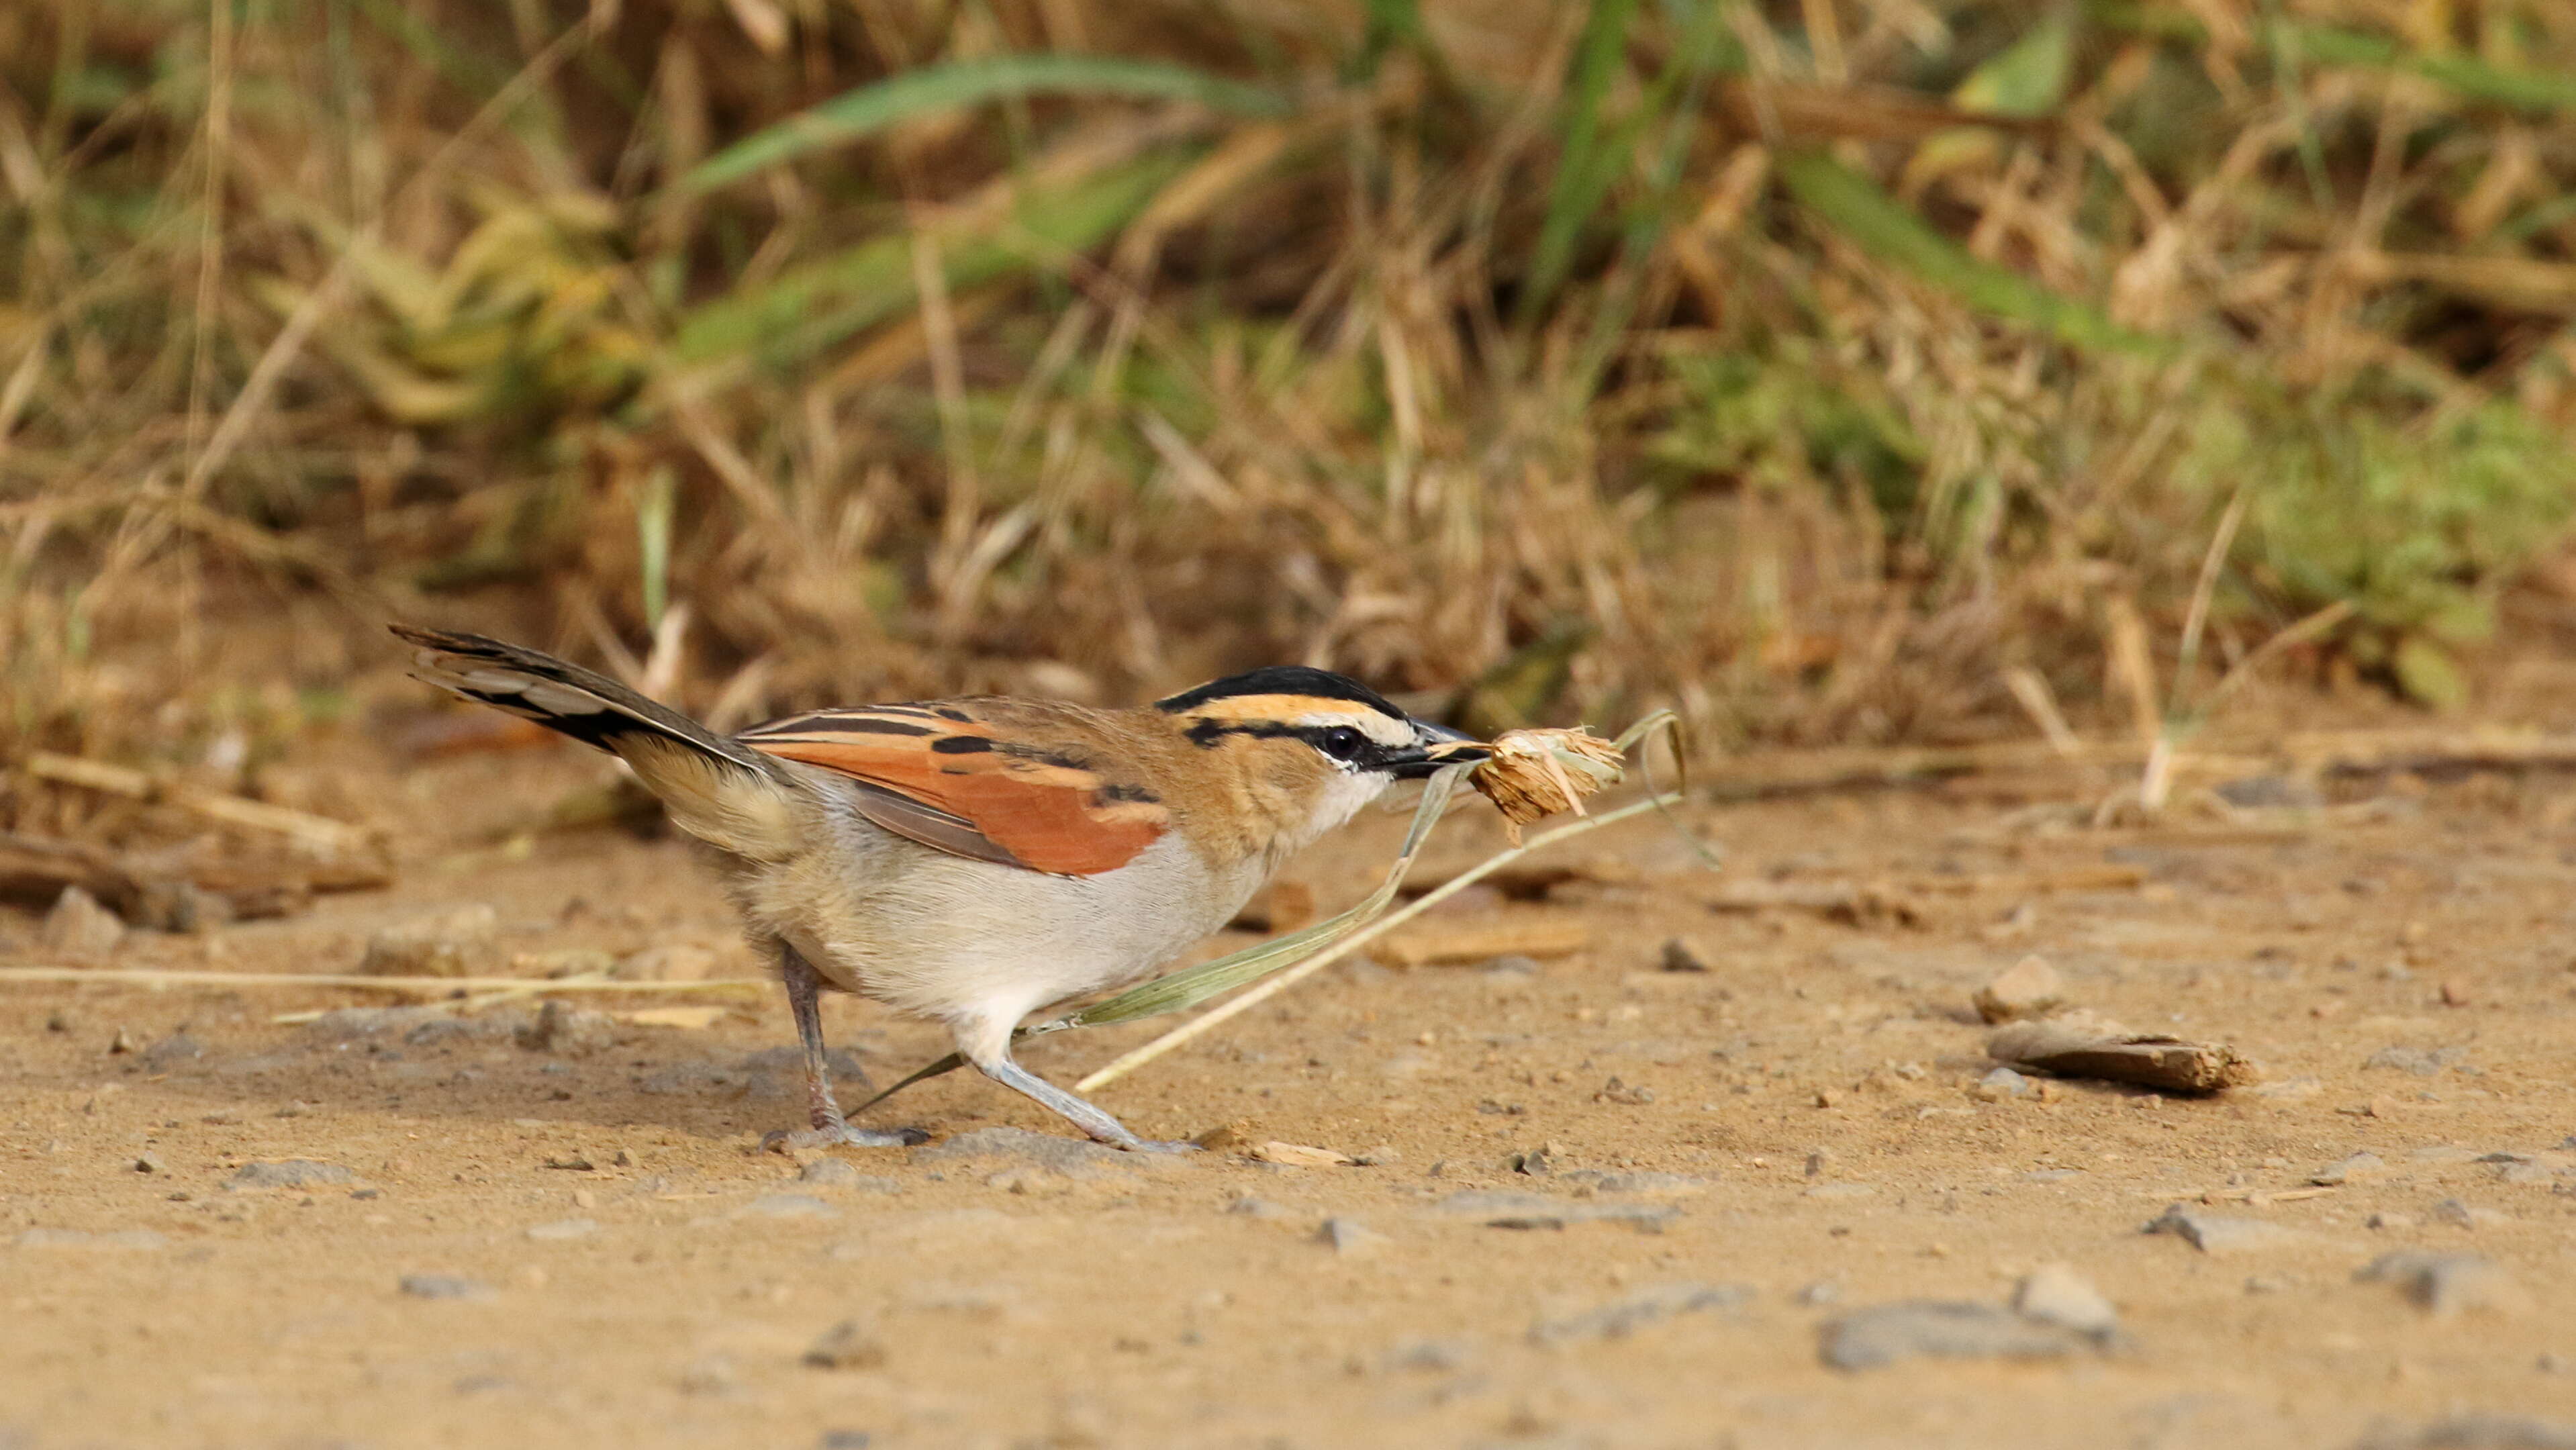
783	1140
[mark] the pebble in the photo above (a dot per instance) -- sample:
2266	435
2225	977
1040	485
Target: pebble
565	1228
2447	1284
2213	1233
1681	954
1069	1157
846	1345
791	1205
1300	1155
2453	1211
2056	1294
79	926
176	1048
288	1173
2387	1219
1349	1236
2350	1170
1513	964
1626	1315
1247	1206
2030	988
458	943
569	1031
1934	1329
2422	1062
444	1286
150	1163
1499	1208
833	1173
2000	1084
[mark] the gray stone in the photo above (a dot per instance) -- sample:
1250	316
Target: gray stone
444	1286
1071	1157
1349	1236
1626	1315
569	1031
2056	1294
2002	1083
2447	1284
846	1345
459	943
176	1048
2218	1234
2350	1170
2029	988
2421	1062
1681	954
288	1173
2453	1211
1933	1329
78	926
1500	1208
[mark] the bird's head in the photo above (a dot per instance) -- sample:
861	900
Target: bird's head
1326	738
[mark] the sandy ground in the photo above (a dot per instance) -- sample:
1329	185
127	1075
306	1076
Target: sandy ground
1738	1159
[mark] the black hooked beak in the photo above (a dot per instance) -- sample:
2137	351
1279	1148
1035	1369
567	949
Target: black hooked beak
1436	746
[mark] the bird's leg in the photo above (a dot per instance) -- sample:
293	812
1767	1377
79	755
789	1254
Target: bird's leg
990	1050
830	1128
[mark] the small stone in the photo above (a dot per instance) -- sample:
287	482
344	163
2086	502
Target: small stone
150	1163
2421	1062
1066	1157
1871	1338
1539	1162
564	1228
288	1173
2218	1234
459	943
79	927
846	1345
2453	1211
1513	964
1681	954
711	1374
1247	1206
2448	1284
2001	1083
569	1031
1626	1315
444	1286
2056	1294
1349	1236
1498	1208
123	1042
2353	1169
59	1020
2387	1219
2030	988
1381	1156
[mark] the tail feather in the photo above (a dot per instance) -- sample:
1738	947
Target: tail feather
716	789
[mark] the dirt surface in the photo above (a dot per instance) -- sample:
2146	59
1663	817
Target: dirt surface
1714	1169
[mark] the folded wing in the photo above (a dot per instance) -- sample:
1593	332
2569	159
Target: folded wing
942	776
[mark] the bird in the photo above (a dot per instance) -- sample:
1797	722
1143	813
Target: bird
972	860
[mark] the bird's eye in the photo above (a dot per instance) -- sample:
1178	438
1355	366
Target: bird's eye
1343	743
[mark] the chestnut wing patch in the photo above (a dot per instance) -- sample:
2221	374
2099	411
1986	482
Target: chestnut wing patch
937	775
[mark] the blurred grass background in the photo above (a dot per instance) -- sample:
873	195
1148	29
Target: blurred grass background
1832	370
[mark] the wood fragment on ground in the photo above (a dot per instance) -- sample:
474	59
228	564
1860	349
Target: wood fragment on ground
2091	1048
1446	944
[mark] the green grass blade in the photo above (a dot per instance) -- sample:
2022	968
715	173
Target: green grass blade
808	308
1879	224
872	108
1585	166
2546	92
